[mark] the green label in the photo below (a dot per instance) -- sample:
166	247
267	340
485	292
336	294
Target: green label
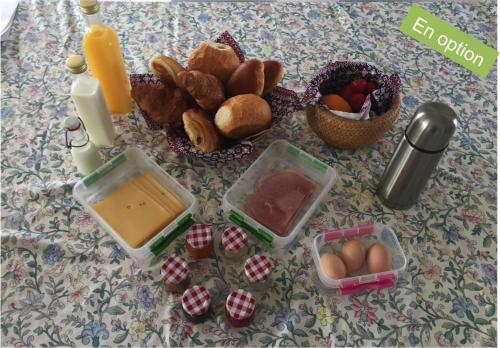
449	41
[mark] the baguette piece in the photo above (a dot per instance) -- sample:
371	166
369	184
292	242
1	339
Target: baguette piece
166	69
247	78
214	58
201	130
273	74
243	115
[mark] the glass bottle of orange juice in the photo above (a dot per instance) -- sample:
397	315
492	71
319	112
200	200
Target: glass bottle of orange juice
104	56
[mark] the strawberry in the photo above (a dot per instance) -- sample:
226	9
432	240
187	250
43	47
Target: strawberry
358	86
346	93
370	87
356	102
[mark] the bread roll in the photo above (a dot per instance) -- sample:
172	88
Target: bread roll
166	69
214	58
243	115
273	74
201	130
247	78
164	104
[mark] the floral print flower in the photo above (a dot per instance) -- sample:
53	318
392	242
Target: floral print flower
363	312
78	295
433	272
462	305
138	331
490	271
180	327
117	253
53	254
451	234
324	316
93	332
145	297
283	317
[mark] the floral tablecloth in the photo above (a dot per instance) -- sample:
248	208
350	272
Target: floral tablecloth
66	282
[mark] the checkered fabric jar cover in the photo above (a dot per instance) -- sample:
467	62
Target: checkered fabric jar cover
240	304
234	238
174	270
257	268
199	236
196	300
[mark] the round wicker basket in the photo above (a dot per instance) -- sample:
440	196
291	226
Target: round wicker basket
344	133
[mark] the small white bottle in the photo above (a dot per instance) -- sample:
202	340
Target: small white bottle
90	104
84	152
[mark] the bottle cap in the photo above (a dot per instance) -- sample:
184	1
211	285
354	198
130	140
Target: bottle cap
89	7
432	127
76	64
72	123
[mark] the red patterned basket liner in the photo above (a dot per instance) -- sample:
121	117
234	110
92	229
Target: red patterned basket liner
174	270
199	236
335	75
196	300
282	102
257	268
240	304
234	238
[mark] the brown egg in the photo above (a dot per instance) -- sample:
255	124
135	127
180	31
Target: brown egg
353	255
333	266
378	258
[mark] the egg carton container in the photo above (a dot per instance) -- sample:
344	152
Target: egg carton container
279	156
128	165
333	240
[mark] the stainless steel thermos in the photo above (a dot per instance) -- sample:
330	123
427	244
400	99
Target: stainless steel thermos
417	155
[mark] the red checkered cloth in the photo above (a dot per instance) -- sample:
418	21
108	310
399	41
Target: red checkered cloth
199	236
174	270
258	268
234	238
240	304
196	300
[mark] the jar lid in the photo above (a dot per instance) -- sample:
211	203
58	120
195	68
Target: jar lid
257	268
199	236
234	238
240	304
196	300
174	270
432	127
89	7
76	64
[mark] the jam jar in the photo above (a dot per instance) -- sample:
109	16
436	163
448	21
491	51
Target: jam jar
200	242
258	269
196	303
234	243
175	274
240	307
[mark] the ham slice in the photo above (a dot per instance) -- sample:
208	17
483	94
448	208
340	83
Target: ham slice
278	199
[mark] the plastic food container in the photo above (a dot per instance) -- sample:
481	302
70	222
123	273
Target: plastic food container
240	307
279	156
333	240
128	165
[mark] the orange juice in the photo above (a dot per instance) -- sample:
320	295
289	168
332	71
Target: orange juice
104	56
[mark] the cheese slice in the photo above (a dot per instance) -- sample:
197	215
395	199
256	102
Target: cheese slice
138	209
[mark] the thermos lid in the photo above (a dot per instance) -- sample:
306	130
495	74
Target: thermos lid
432	127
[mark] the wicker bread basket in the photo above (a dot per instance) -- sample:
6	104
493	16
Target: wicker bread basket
344	133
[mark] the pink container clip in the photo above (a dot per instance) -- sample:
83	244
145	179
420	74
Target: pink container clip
361	230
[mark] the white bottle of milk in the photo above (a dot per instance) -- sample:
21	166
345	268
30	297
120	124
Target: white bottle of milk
84	152
90	104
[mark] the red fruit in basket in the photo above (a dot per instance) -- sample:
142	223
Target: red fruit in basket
370	87
346	93
356	102
358	86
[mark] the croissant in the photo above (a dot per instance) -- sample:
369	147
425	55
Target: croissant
201	130
163	104
206	89
166	69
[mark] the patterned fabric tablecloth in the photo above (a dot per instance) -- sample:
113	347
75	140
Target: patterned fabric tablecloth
66	282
